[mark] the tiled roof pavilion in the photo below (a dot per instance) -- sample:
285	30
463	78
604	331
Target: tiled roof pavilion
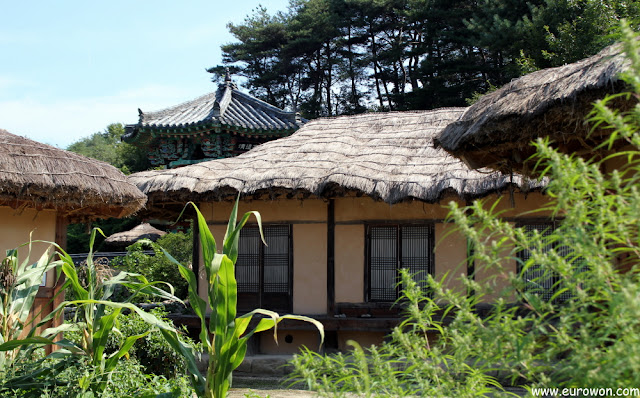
217	125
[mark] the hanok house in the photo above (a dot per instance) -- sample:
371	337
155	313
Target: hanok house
497	131
217	125
346	202
42	188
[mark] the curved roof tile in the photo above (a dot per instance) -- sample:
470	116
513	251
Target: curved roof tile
227	106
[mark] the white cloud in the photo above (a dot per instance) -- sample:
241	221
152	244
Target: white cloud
64	122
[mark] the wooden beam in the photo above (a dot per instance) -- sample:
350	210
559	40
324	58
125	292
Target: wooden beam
57	294
331	266
195	252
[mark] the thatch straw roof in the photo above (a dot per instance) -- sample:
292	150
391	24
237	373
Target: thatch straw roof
496	131
388	156
44	177
142	231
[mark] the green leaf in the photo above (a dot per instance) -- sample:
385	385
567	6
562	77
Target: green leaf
112	361
27	285
198	382
207	242
101	334
73	280
13	344
227	295
198	305
233	236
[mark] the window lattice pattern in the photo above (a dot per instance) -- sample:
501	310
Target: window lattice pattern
263	273
383	263
392	247
537	279
248	264
546	284
276	259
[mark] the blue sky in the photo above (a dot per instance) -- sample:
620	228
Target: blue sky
69	68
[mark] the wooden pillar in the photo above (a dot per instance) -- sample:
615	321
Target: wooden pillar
471	264
57	296
195	251
331	267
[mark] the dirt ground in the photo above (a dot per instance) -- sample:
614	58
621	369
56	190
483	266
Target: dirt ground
251	393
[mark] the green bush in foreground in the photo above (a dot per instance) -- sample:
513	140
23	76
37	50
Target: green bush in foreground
94	319
152	352
77	376
586	336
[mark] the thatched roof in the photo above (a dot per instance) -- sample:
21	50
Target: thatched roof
496	131
44	177
142	231
388	156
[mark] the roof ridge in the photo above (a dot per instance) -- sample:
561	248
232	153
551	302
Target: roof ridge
263	103
181	105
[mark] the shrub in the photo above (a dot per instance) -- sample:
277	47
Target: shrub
157	267
77	376
152	351
94	319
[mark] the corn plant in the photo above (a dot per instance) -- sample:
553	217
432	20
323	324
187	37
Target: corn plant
19	284
95	319
224	336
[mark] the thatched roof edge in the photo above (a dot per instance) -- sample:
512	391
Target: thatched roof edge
141	231
387	156
40	176
549	102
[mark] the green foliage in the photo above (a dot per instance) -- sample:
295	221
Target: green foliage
152	351
92	321
19	284
562	31
158	267
327	57
260	37
252	394
108	147
77	377
78	235
224	337
586	335
413	363
476	96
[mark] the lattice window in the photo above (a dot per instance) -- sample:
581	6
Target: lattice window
538	280
392	247
263	273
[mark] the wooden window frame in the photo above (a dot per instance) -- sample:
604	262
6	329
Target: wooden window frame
262	301
551	291
430	242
